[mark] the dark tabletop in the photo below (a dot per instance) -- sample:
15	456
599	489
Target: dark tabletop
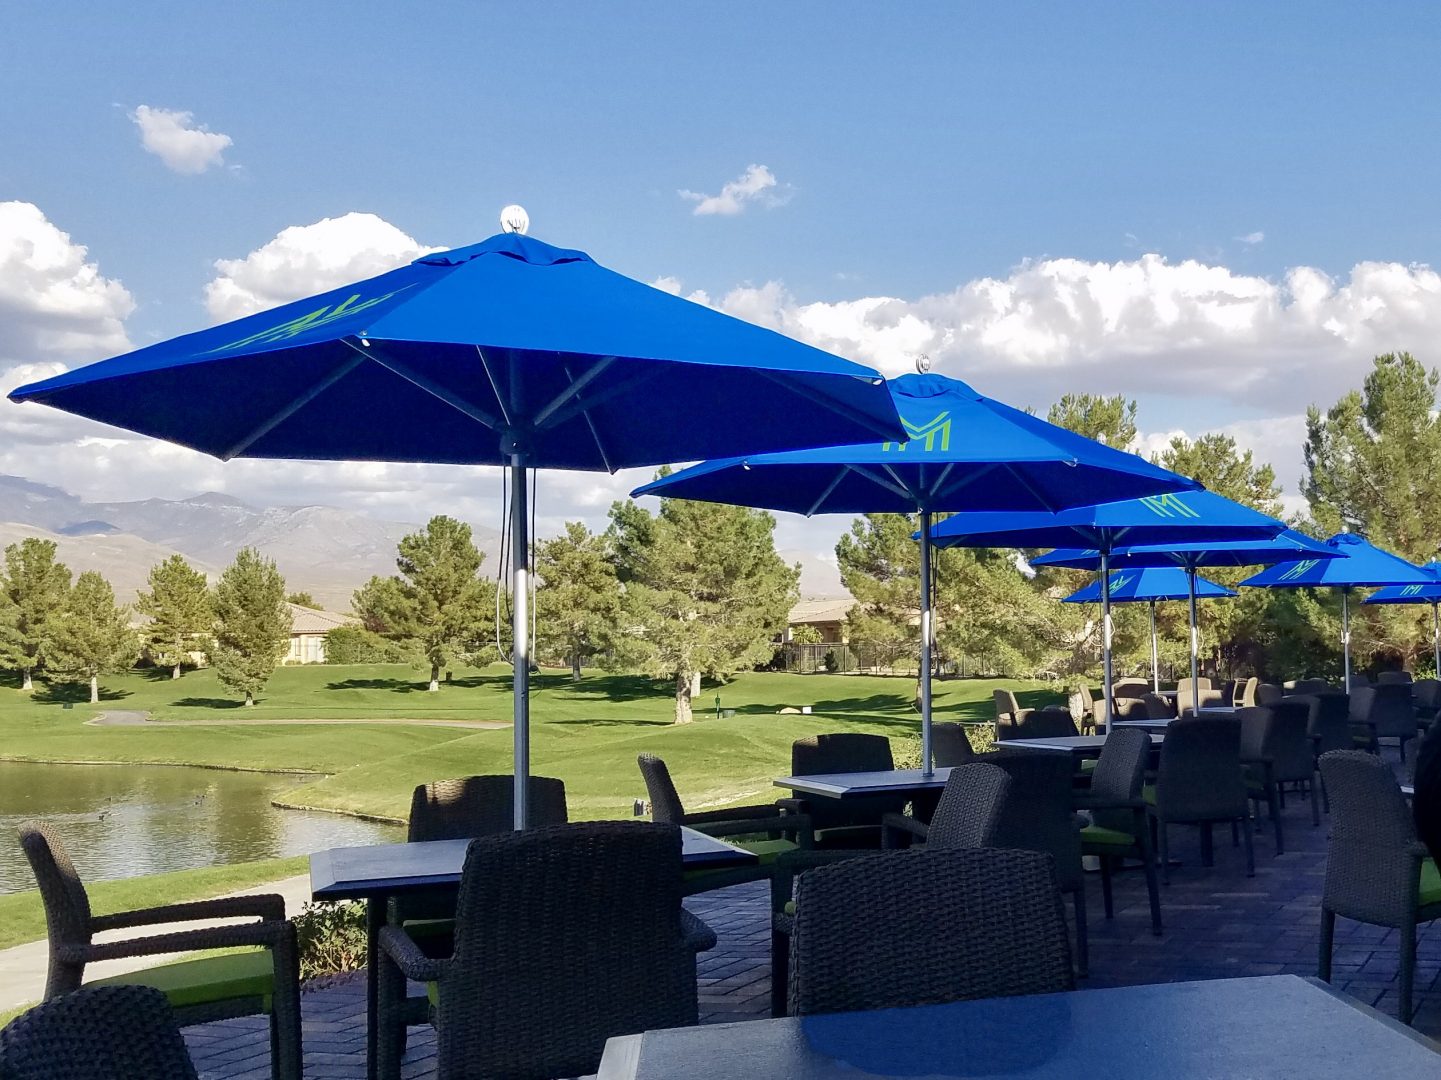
1278	1027
1079	745
391	869
851	784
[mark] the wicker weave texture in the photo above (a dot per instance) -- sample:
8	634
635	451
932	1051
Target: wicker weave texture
969	812
1199	777
916	928
1036	813
950	745
1373	863
100	1033
845	752
474	806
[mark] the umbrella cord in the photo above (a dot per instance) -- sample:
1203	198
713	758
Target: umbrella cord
503	608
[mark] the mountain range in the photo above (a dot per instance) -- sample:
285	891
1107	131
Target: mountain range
320	549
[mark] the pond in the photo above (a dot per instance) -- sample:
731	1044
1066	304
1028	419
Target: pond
122	821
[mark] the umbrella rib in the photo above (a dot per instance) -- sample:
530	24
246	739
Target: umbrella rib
1020	479
494	386
272	422
881	481
964	481
416	379
910	493
568	411
571	391
834	403
826	494
576	386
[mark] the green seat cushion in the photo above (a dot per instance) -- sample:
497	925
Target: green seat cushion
768	850
1088	765
428	928
1430	883
1100	836
206	980
1149	793
790	908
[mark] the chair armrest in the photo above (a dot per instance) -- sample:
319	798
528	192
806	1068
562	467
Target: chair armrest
800	824
733	813
402	950
1085	801
902	823
270	906
697	936
793	806
268	934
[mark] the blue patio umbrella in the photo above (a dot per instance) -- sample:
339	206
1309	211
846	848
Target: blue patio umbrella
1418	594
965	452
1364	566
1162	519
1149	585
1286	546
509	352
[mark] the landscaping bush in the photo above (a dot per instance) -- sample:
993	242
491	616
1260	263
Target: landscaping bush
907	750
331	937
356	645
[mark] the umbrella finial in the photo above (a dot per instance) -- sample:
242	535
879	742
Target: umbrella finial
514	219
923	363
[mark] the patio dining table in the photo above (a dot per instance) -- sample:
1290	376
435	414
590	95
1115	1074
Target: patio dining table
1080	746
852	785
377	872
1274	1027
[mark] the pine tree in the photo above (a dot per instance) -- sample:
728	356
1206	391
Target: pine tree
578	601
252	623
92	637
37	587
705	591
1109	420
180	613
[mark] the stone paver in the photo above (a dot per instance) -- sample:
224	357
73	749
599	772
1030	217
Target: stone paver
1218	924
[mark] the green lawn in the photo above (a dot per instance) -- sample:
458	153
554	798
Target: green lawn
586	733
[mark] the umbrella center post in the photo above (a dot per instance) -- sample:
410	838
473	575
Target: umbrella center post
1155	653
1195	642
1346	638
1108	697
520	632
927	631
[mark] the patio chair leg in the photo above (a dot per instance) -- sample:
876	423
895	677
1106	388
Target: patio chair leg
1408	971
1250	851
1106	901
1208	850
1325	795
1272	797
780	971
1328	934
1315	808
1165	852
1083	951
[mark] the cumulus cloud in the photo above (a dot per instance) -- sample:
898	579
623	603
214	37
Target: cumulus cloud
175	138
757	185
307	259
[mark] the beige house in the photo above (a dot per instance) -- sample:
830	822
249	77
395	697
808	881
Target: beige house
308	629
827	616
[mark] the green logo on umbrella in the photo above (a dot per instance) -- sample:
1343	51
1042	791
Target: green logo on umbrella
1168	506
305	323
1299	569
1411	590
936	429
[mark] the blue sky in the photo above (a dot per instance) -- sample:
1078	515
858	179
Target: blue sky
915	151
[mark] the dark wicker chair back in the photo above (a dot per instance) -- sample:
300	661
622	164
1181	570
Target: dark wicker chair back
1051	723
97	1033
970	808
1392	710
1036	814
1373	854
1130	688
665	804
1390	678
1362	696
67	906
1119	776
1199	777
1268	694
1310	686
1360	679
845	752
564	936
950	745
1288	743
481	806
1159	708
1228	692
1330	721
922	927
1426	694
1007	707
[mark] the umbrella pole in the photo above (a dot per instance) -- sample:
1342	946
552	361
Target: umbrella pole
926	635
1155	654
1346	638
1436	638
1195	643
520	634
1106	636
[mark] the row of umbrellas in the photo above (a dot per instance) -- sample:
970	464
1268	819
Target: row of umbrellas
516	353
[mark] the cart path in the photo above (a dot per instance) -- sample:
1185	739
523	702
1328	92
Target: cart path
130	718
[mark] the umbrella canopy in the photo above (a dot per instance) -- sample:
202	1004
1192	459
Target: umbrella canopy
1148	585
1185	517
1418	594
509	352
1287	546
1364	565
965	452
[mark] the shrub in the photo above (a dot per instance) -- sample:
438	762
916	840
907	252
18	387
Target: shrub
907	750
356	645
331	937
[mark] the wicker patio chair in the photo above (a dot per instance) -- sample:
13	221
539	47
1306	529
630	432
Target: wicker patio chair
1358	680
1199	782
1275	751
1118	827
564	936
967	816
844	823
784	831
1267	694
1392	678
1361	699
1384	711
263	979
1207	696
481	806
1426	698
1159	708
919	928
1130	687
1053	721
1308	687
1329	727
97	1033
951	745
1377	871
1228	691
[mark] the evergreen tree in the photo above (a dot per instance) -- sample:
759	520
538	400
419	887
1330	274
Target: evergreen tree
252	623
1109	420
10	639
92	637
705	591
578	601
880	566
301	599
180	614
439	606
36	586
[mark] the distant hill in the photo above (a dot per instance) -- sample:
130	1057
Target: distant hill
125	560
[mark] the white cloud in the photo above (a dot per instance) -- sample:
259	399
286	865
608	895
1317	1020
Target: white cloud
307	259
756	185
175	138
1252	238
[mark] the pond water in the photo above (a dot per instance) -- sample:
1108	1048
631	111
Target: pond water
122	821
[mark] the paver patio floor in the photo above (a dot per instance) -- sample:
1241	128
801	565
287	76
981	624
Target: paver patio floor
1218	924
